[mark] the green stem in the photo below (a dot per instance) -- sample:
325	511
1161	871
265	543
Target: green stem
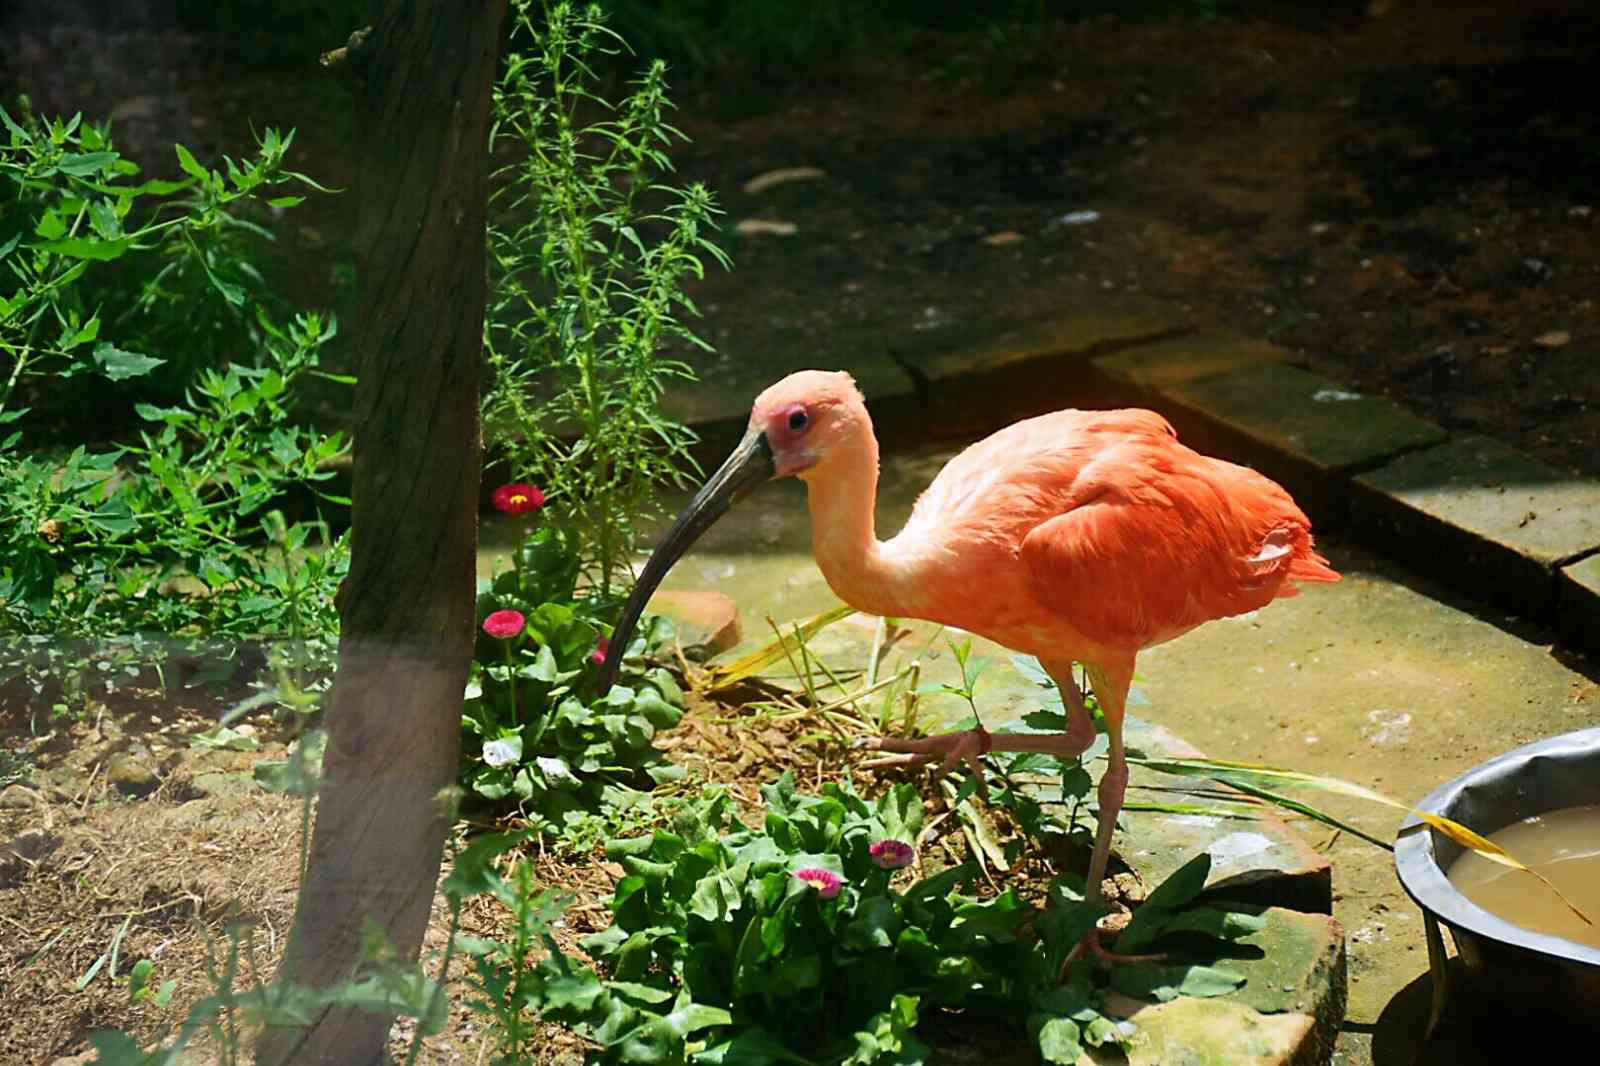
511	682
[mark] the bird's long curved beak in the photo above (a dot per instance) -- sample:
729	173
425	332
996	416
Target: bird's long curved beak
749	465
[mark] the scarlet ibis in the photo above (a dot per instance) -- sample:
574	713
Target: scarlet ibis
1077	536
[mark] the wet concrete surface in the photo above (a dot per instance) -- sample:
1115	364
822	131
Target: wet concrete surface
1384	679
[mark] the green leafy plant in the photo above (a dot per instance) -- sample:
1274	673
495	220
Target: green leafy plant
115	279
178	533
588	257
805	942
180	529
535	732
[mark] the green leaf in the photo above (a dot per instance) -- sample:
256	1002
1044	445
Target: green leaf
1057	1040
50	226
88	247
557	774
1182	885
224	737
692	1017
190	165
1214	922
82	164
876	925
900	811
173	415
120	365
104	219
752	1047
116	518
1164	983
286	201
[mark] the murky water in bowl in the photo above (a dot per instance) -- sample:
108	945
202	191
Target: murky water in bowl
1564	846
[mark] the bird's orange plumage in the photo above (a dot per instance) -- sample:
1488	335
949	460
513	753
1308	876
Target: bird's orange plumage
1061	536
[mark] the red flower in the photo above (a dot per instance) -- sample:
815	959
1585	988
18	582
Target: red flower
598	656
517	498
504	624
892	854
826	882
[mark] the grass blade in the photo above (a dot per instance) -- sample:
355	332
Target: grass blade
1248	777
774	652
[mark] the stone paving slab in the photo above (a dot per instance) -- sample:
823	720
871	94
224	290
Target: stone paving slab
1287	1013
1477	506
1255	856
1296	427
1083	333
1578	602
728	387
1136	376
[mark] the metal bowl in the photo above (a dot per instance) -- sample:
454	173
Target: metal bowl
1508	965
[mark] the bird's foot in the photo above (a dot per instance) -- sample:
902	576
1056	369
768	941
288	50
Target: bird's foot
1105	959
947	749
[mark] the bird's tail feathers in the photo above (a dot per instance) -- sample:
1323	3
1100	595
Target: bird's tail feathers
1312	567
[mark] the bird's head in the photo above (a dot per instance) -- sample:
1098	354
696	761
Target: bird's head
805	417
794	427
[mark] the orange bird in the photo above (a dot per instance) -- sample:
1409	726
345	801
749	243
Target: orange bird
1078	536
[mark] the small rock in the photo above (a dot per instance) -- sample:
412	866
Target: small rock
707	621
1580	211
222	783
30	845
132	775
1078	218
782	176
1556	338
19	798
761	227
1003	238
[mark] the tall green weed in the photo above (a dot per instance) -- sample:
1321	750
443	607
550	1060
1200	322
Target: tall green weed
588	258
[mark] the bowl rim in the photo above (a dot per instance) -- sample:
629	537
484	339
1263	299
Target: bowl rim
1427	885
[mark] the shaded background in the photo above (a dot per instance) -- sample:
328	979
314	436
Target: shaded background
1405	200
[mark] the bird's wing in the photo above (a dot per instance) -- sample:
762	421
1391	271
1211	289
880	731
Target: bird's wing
1160	539
1027	471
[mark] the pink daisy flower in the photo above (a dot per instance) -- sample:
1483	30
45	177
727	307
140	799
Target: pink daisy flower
826	882
517	498
504	624
892	854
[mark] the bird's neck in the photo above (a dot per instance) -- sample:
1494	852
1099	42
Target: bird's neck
842	498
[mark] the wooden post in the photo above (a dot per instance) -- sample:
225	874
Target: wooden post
423	82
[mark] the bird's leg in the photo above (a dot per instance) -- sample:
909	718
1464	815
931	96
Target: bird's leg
1080	723
1113	787
1111	689
969	745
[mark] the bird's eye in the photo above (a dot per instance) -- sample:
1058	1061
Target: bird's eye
797	420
